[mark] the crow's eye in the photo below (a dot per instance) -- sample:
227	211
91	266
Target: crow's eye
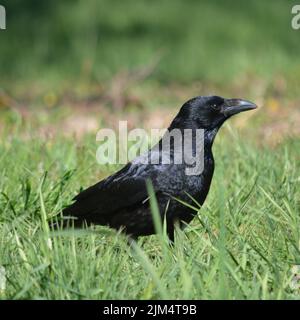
215	106
216	103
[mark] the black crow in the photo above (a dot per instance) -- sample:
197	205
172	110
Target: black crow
121	201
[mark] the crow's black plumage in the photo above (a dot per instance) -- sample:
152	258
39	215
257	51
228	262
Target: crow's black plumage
121	200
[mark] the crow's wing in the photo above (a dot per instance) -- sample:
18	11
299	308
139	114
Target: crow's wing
121	190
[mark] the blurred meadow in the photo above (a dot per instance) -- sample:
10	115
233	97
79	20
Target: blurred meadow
69	68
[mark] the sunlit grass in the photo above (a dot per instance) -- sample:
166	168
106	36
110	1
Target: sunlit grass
241	245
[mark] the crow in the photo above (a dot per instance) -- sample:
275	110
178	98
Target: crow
121	201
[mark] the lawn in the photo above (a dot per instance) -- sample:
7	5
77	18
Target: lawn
242	244
70	68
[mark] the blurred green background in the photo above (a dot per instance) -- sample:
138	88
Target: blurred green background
215	41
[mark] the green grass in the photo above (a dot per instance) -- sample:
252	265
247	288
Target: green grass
245	240
220	42
241	245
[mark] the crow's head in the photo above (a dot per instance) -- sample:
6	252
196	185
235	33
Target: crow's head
209	112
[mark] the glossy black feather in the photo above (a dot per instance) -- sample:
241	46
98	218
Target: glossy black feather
121	200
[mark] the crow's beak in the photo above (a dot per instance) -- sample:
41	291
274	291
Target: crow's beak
234	106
